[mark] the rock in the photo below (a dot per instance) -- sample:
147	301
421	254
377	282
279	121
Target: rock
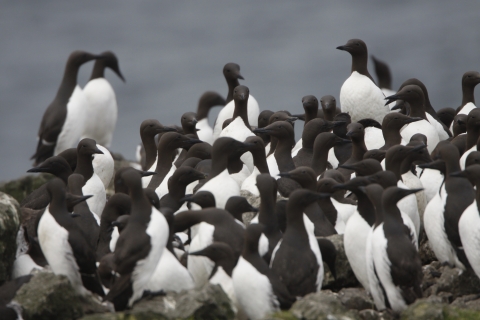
322	305
209	302
50	296
22	187
47	296
425	309
345	275
370	314
9	224
431	274
254	201
425	252
456	283
355	298
471	301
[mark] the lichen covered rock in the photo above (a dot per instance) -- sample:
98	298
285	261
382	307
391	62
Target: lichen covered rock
322	305
9	224
48	296
345	276
22	187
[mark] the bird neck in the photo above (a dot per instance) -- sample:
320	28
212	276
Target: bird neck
468	94
98	69
241	110
68	84
283	155
150	150
359	64
232	83
84	166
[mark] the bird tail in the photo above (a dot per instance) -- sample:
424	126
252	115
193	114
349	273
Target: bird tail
120	292
44	151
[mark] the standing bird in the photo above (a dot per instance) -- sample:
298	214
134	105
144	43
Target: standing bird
63	122
231	71
258	289
64	244
445	209
469	223
101	111
297	259
207	101
415	97
470	80
360	96
139	246
395	259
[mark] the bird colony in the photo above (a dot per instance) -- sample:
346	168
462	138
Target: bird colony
379	166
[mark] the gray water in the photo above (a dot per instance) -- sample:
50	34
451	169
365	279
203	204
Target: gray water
171	52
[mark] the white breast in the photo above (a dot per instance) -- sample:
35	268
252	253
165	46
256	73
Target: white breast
250	183
101	111
469	229
361	98
373	281
423	127
205	132
273	166
253	291
170	275
225	281
312	240
382	267
442	134
297	147
413	182
103	165
431	181
355	243
465	110
344	212
222	187
373	138
201	267
114	239
74	123
157	230
53	240
464	157
238	130
240	176
408	205
94	186
332	158
433	221
162	189
227	113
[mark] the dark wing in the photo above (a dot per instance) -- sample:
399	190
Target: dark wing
120	292
131	247
50	128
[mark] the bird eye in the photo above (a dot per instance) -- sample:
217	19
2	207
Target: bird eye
357	44
396	118
151	125
469	76
409	91
228	70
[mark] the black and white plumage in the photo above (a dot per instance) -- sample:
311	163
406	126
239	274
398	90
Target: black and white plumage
139	246
64	244
297	259
102	109
258	289
63	121
396	262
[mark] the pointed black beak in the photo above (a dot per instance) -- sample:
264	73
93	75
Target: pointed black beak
284	174
391	99
292	119
74	199
345	166
342	141
323	195
194	121
350	133
37	169
299	116
343	48
191	142
459	174
147	173
119	74
188	198
239	76
340	187
253	209
167	129
337	123
262	130
412	119
417	148
97	151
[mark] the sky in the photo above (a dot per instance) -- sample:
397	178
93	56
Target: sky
171	52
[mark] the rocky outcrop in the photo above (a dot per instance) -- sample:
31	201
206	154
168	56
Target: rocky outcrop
434	310
209	302
22	187
9	224
50	296
345	276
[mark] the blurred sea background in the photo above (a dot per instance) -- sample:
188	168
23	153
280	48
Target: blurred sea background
170	52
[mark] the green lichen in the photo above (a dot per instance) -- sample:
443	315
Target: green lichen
9	224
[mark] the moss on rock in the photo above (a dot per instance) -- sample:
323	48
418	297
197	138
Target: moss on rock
9	224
